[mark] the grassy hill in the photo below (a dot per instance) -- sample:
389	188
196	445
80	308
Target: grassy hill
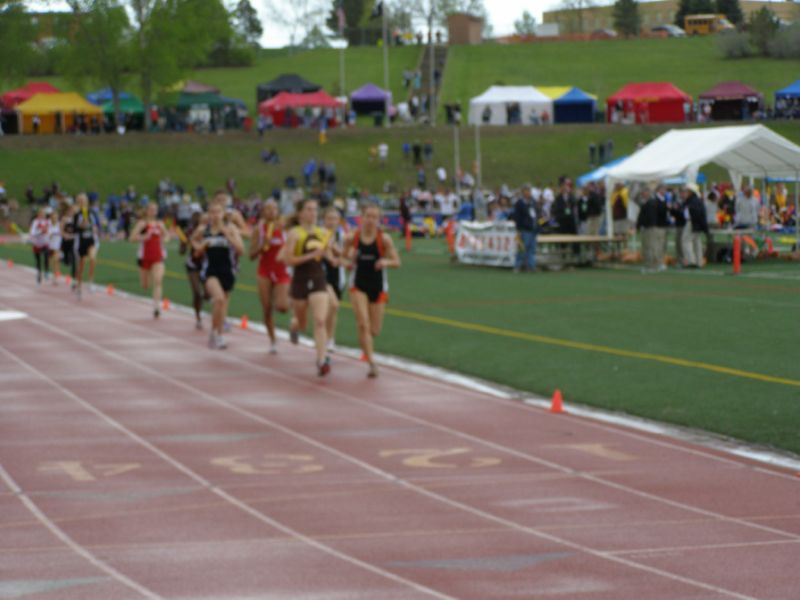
109	163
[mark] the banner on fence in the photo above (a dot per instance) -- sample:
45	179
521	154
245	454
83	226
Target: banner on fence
491	244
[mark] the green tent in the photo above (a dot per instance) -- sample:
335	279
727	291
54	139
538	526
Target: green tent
128	105
187	101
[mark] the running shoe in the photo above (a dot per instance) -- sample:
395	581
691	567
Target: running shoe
294	336
156	313
198	324
373	371
273	348
331	345
221	343
324	367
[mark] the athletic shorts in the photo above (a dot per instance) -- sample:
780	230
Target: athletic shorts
147	264
84	244
374	296
276	273
303	286
226	280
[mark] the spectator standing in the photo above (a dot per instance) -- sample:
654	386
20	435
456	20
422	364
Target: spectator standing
564	209
524	217
651	217
383	153
619	209
746	209
594	209
696	228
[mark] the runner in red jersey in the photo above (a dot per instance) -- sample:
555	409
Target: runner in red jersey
152	234
273	279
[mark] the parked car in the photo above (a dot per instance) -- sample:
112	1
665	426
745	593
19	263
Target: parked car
670	29
603	34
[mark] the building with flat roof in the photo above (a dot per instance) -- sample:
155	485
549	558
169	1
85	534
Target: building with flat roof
652	14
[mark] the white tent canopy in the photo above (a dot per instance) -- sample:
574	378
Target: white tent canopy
532	104
751	150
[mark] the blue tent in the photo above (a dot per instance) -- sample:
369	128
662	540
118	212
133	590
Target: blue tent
790	91
576	106
100	97
599	173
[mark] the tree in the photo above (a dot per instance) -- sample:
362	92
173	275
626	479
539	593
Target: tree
626	17
172	36
17	37
526	25
247	23
732	10
299	17
99	50
693	7
315	39
763	27
355	13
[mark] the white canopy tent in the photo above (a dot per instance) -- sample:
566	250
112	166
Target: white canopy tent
495	102
745	151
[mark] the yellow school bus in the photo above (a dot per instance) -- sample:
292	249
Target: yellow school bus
706	24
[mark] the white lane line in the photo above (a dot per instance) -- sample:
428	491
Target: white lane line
11	315
670	549
69	542
379	472
321	388
201	480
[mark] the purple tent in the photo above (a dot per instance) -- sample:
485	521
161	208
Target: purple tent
370	99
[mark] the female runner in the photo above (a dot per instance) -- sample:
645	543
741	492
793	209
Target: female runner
272	277
304	249
334	271
371	251
220	244
54	245
152	234
87	230
40	240
193	263
68	241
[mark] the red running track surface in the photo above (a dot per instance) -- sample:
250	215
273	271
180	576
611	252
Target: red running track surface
136	463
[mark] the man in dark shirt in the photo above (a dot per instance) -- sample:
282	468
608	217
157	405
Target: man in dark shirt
524	217
651	222
565	208
697	229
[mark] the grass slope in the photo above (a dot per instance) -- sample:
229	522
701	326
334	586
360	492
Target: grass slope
109	163
601	67
738	323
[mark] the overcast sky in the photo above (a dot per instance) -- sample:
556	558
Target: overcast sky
502	14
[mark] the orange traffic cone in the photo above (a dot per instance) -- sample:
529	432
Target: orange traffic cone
451	237
243	323
558	405
737	255
10	263
166	304
67	279
408	237
364	357
110	289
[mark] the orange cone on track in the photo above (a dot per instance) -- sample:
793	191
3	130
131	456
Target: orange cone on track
166	304
67	279
408	237
10	263
737	255
364	357
243	324
558	404
110	289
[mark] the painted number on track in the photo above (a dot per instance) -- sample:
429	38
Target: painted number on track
449	458
269	464
77	471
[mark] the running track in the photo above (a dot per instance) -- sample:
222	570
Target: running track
136	463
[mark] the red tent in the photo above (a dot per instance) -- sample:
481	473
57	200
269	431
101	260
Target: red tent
649	103
10	99
290	109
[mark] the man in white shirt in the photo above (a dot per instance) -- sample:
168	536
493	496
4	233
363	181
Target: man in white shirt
746	209
383	153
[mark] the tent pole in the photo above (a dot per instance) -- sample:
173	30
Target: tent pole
479	174
456	158
796	209
609	221
386	119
